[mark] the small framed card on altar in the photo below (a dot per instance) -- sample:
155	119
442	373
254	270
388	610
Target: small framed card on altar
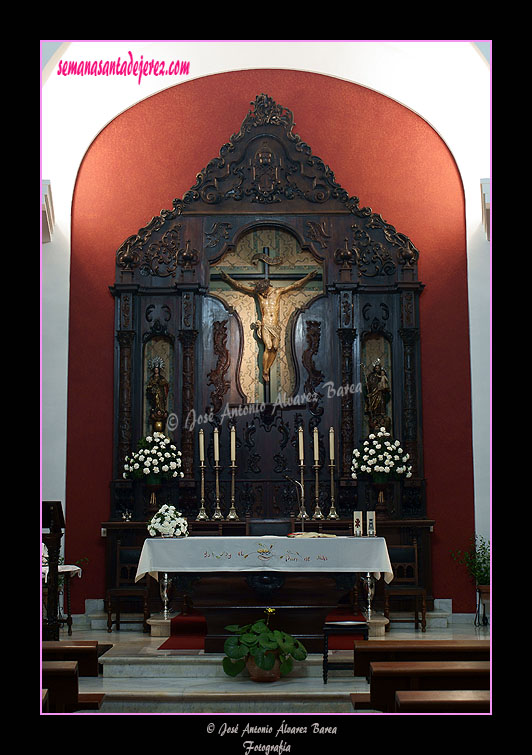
357	523
370	523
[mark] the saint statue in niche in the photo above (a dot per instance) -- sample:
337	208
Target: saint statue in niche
157	392
377	396
269	299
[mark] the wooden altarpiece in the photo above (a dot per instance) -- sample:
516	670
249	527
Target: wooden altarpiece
266	207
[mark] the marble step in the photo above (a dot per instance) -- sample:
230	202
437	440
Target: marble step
253	701
187	665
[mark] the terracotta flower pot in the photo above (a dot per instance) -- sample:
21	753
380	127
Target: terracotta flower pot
260	675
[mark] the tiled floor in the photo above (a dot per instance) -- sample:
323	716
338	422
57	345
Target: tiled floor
139	678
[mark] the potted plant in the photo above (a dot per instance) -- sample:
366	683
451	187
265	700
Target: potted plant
476	560
267	653
168	522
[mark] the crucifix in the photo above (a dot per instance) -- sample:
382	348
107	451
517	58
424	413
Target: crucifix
268	328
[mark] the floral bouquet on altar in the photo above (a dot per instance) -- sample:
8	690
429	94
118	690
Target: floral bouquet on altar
157	459
381	458
168	522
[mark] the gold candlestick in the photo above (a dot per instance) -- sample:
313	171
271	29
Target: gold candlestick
317	511
232	515
332	511
202	516
217	512
302	513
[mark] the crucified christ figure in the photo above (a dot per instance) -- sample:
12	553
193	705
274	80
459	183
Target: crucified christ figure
269	298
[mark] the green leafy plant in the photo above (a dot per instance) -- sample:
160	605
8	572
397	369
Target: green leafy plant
263	644
476	560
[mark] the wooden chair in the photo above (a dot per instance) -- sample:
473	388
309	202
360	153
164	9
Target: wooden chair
270	526
335	629
127	558
405	585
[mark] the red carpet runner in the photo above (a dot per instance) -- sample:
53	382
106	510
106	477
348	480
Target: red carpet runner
188	632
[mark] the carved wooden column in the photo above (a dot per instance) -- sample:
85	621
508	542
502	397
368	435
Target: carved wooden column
125	340
188	339
410	338
347	337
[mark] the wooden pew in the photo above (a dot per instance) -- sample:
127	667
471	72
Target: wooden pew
388	678
61	680
85	652
368	651
44	704
443	701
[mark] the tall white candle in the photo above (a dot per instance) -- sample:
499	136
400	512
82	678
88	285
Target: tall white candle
201	446
331	443
216	445
316	447
233	443
301	446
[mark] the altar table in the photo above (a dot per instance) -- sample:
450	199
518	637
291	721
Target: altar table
312	568
367	555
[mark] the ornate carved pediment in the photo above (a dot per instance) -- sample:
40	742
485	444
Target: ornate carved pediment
266	163
265	166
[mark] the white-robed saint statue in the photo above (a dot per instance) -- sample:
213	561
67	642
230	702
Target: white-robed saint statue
269	299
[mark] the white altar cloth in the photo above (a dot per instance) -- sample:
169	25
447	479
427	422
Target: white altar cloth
62	569
265	553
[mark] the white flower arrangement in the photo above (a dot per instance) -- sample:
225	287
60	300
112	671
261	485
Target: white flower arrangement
157	457
168	522
381	457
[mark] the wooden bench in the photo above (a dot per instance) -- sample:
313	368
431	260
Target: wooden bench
84	652
443	701
368	651
61	680
388	678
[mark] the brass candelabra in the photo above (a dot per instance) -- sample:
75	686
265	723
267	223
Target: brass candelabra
232	516
202	515
332	511
317	511
217	512
302	513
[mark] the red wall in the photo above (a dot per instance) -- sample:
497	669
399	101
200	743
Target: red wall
379	151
